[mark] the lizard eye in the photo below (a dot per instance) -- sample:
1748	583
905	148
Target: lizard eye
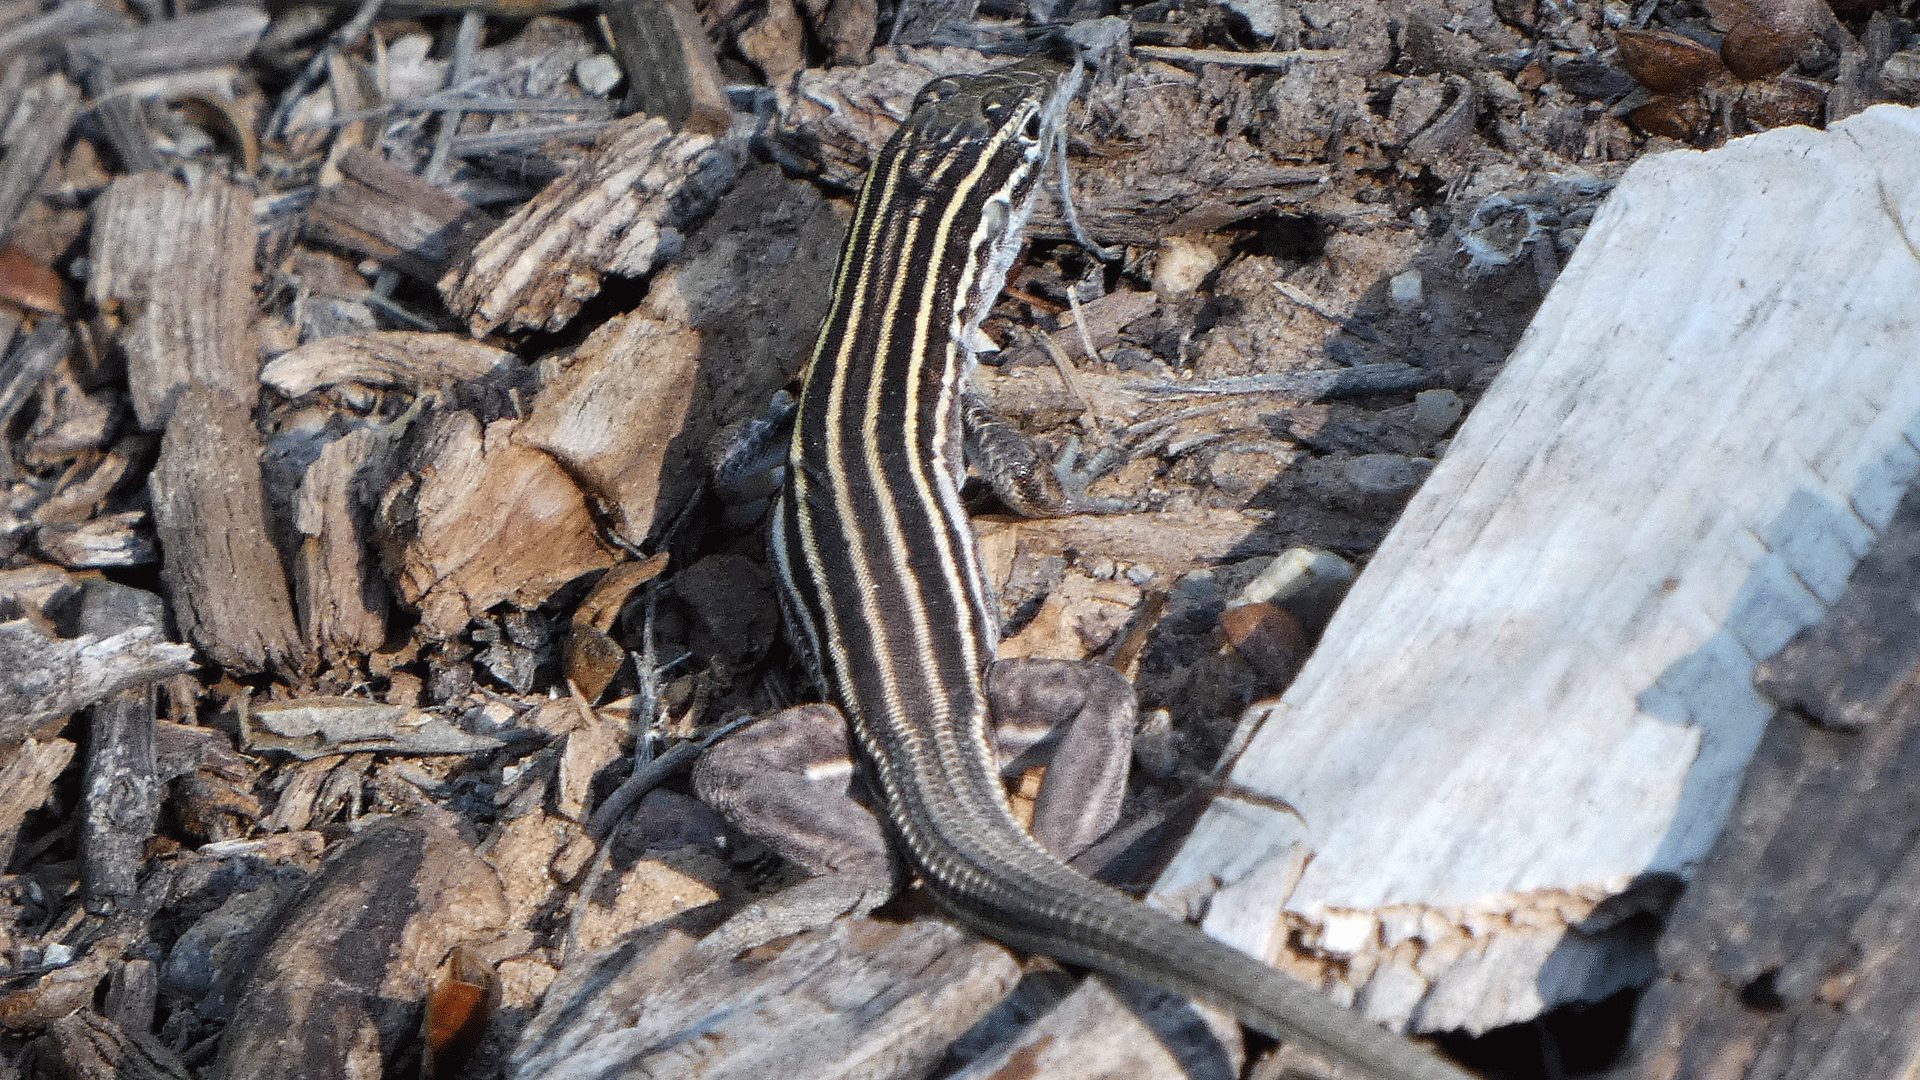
1031	130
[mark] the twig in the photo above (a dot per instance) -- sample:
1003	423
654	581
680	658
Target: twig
1302	385
1175	55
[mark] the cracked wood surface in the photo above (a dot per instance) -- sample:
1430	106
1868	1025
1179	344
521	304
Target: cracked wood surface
1538	693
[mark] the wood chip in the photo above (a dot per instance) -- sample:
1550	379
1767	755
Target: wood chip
858	998
30	137
389	359
315	727
222	572
174	266
384	212
334	985
624	212
481	519
43	678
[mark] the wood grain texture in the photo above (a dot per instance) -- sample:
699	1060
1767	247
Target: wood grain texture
1539	691
1792	953
625	212
223	575
857	1000
174	265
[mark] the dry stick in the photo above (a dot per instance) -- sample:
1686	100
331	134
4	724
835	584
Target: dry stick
349	34
1173	54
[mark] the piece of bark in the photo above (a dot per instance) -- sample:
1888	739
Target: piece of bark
774	42
43	678
120	789
174	266
334	986
211	38
84	1045
387	359
1790	954
850	28
481	519
671	69
624	212
222	573
386	213
1846	670
1144	184
859	998
584	415
1102	1028
25	368
723	327
338	590
26	782
30	137
1538	694
920	22
315	727
113	540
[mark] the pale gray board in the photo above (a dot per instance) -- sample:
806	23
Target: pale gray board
1540	687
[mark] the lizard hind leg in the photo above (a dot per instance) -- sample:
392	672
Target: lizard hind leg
1087	713
788	781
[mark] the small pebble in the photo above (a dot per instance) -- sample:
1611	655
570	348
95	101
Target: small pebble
597	74
1436	411
1405	291
1182	265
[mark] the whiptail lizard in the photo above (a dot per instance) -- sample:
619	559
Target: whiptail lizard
880	572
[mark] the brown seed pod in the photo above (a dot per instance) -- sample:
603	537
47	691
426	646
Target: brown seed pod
1770	38
1784	102
1677	116
1665	63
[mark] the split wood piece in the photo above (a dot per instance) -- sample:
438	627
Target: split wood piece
319	726
850	28
338	590
723	327
26	779
334	988
671	69
1153	182
1104	1028
1539	692
44	678
27	367
386	213
386	359
111	540
31	135
215	37
1171	543
859	998
920	22
84	1045
120	790
480	519
223	575
1791	953
625	212
174	266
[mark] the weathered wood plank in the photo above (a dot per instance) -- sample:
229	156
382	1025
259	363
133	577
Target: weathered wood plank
1539	691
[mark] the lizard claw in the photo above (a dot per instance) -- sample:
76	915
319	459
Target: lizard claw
1076	475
